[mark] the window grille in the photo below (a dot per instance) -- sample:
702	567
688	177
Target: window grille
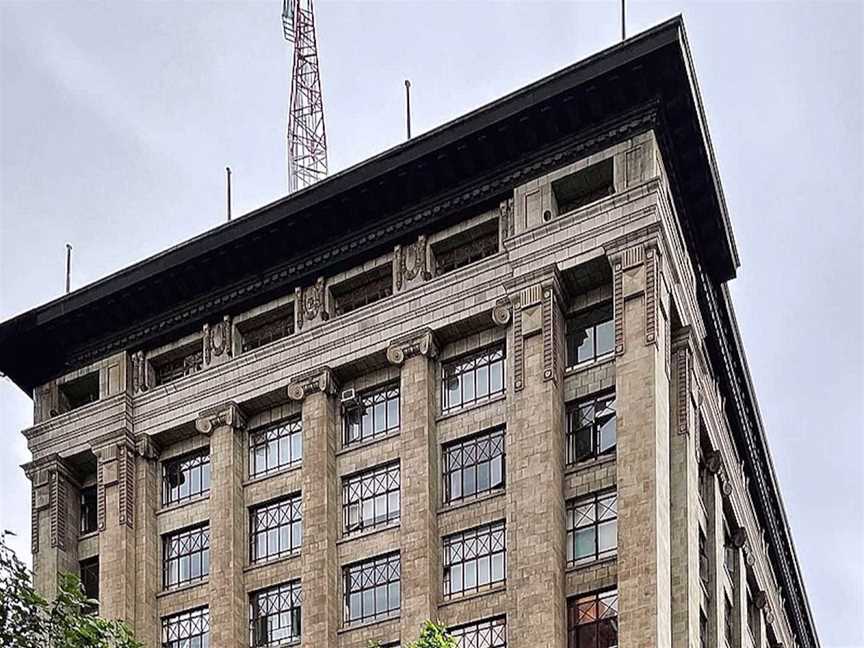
363	290
274	616
592	528
592	620
474	560
258	334
189	629
473	466
465	248
185	556
371	498
173	369
372	589
591	429
276	447
276	529
186	477
490	633
472	378
376	415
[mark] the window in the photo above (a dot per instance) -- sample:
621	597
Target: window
183	363
375	415
728	551
276	447
371	498
90	582
590	336
186	477
472	378
267	328
276	529
704	572
592	528
728	621
592	620
752	616
372	588
466	247
703	629
591	429
185	556
474	559
274	616
585	186
79	392
473	466
491	633
89	521
187	630
362	290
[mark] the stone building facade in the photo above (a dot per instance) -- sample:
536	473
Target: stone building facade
491	377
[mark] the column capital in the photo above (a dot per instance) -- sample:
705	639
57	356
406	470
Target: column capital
320	379
420	342
227	414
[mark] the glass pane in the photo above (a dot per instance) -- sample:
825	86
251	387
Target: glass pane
607	536
296	446
354	609
369	601
498	567
380	417
496	377
483	478
583	446
393	596
608	435
470	480
482	382
470	575
381	604
483	571
393	413
456	584
297	534
584	543
284	451
586	349
605	338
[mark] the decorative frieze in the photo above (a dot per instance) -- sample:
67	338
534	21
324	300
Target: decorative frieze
420	342
505	218
228	414
321	379
311	305
518	346
218	342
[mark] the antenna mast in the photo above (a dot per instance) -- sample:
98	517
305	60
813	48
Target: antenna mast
307	139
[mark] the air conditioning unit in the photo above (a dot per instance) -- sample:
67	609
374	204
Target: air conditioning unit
349	399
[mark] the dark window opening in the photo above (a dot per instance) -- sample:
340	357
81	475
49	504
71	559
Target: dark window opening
375	414
189	629
276	447
186	477
274	616
592	528
491	633
371	498
79	392
178	364
703	629
592	620
704	569
583	187
474	560
90	583
473	466
466	247
591	429
590	336
362	290
372	588
185	556
89	518
267	328
728	622
472	379
276	529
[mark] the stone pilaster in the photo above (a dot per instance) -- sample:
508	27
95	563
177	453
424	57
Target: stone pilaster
534	469
321	510
419	538
642	401
684	503
149	558
54	521
228	605
714	540
116	487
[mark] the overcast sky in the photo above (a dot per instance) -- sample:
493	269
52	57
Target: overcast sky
117	120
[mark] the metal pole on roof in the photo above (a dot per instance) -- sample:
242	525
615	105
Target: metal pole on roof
228	177
408	107
68	266
623	20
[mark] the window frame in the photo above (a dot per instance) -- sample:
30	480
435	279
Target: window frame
368	403
496	436
596	425
600	517
269	439
491	539
487	633
201	459
378	565
277	508
290	592
88	516
201	550
383	473
593	317
189	618
607	596
448	373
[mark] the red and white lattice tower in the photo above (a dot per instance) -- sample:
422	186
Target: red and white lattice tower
307	138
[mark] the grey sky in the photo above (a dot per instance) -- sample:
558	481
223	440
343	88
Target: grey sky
117	119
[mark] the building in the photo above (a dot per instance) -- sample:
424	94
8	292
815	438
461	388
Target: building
491	376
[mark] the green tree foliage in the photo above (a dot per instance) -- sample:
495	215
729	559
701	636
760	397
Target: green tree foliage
432	635
27	620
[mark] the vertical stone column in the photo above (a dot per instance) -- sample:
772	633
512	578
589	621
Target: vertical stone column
535	464
321	512
228	606
54	522
149	563
419	542
642	401
116	477
684	503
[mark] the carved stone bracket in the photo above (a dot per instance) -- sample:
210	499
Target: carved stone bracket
228	414
420	342
684	382
411	264
321	379
147	448
310	304
502	312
